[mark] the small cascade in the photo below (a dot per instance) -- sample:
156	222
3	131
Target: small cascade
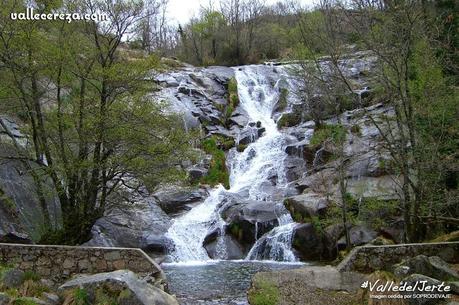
317	156
276	244
188	231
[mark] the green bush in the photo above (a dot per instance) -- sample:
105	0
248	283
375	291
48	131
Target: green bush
334	133
283	103
289	120
218	172
263	293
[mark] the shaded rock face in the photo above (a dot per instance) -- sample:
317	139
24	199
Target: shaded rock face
312	244
248	220
232	248
118	283
141	224
307	205
21	211
200	94
175	199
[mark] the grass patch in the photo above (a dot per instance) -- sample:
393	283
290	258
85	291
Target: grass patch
263	292
24	302
282	103
218	172
80	297
334	133
232	91
233	101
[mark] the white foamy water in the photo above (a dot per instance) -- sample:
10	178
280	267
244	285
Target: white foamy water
250	171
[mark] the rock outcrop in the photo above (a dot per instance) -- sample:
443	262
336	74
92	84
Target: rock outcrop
126	285
22	217
139	224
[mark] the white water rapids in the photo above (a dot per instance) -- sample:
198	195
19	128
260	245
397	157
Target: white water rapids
250	172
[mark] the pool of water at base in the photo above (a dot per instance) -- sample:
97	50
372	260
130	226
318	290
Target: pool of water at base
216	282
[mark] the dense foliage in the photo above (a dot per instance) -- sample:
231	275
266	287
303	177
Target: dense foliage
83	99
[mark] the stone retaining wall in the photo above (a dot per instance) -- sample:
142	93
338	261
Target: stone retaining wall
60	262
367	259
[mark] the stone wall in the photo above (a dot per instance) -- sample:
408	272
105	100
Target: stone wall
60	262
367	259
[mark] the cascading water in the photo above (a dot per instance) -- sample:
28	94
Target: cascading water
261	163
275	245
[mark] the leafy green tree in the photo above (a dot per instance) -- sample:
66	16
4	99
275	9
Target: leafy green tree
95	129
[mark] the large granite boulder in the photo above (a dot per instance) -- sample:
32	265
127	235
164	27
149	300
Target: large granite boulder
313	244
21	212
173	200
305	206
124	285
140	224
223	247
248	220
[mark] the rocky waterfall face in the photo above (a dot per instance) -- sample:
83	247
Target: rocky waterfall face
257	174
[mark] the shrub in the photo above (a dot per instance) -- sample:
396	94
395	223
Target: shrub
334	133
218	172
283	103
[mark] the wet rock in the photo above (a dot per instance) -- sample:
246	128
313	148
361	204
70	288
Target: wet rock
432	266
224	247
295	168
239	119
312	244
248	220
305	206
117	283
176	199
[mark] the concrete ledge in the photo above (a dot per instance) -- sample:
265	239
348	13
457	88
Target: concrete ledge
367	259
61	262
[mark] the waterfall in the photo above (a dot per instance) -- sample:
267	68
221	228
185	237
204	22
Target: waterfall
188	231
261	163
276	244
